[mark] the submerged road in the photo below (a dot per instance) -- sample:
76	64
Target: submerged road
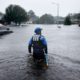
63	48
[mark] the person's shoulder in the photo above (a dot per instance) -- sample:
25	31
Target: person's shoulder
42	37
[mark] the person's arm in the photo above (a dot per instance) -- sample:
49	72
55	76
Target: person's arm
30	45
46	50
45	44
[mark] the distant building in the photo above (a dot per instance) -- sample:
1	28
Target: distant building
74	18
29	22
74	21
59	20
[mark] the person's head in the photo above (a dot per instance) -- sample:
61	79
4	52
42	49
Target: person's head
38	30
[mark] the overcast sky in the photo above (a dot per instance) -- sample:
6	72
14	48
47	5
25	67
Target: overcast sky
41	7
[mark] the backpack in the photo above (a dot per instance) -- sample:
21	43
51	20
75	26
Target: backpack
37	44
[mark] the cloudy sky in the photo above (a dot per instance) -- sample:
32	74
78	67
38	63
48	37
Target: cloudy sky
41	7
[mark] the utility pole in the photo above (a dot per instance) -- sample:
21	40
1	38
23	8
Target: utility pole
57	4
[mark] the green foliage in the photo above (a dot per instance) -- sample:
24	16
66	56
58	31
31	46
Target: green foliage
45	19
67	20
16	14
78	16
32	16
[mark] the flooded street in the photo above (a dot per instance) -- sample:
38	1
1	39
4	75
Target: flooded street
63	51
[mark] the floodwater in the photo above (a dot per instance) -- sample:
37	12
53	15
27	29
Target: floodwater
63	52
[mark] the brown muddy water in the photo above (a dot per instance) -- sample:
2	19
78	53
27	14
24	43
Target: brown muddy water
63	52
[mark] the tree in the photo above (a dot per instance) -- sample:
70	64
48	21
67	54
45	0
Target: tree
32	16
16	14
46	19
78	17
67	20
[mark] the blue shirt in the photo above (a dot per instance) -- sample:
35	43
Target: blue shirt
43	42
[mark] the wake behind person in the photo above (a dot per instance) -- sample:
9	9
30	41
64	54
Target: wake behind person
39	45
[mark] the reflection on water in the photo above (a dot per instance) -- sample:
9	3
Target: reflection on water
64	53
